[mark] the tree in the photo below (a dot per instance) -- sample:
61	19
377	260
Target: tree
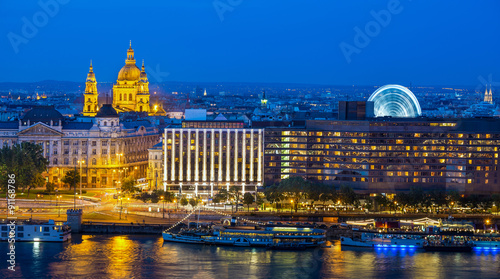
348	196
222	195
26	161
260	199
295	188
50	187
381	200
193	202
234	192
72	178
184	201
128	185
248	199
273	195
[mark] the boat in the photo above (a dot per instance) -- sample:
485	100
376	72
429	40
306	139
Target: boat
38	232
375	239
456	242
185	236
268	236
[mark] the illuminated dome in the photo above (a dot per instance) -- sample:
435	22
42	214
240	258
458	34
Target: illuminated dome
130	71
396	101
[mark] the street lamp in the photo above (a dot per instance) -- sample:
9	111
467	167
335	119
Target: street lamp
163	211
291	208
58	206
121	202
81	162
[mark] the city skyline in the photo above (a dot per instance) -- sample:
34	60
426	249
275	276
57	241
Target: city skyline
317	43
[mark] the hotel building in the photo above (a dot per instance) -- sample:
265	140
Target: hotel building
387	155
203	160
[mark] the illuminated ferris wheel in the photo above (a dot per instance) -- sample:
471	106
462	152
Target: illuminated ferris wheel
396	101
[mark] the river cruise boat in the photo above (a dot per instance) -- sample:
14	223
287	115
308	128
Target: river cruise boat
269	236
377	239
448	243
46	232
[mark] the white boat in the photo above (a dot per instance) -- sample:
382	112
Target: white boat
266	237
184	237
375	240
46	232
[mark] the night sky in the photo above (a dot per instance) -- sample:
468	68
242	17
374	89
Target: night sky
425	42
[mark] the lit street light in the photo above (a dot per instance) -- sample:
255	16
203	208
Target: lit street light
163	211
81	162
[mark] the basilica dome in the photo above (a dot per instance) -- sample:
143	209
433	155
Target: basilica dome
129	72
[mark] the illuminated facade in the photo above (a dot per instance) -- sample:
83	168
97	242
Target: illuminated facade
395	101
488	97
105	150
130	92
380	156
202	161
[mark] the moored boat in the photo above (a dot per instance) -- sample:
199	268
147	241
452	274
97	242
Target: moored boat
188	236
43	232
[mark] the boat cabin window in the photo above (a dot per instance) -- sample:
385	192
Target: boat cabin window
20	228
20	234
46	229
4	228
4	234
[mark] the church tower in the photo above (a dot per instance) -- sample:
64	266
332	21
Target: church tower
90	105
143	91
263	101
488	97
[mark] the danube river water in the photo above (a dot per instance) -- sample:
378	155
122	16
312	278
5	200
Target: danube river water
136	256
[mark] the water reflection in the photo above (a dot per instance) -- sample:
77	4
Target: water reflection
103	256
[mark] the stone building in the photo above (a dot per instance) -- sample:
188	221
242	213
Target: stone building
106	150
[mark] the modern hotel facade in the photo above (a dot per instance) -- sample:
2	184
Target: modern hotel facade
202	161
387	155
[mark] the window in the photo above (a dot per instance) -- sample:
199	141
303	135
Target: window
66	161
130	97
94	143
74	161
54	161
94	161
105	123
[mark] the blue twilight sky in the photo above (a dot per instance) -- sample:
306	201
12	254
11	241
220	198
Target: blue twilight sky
425	42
